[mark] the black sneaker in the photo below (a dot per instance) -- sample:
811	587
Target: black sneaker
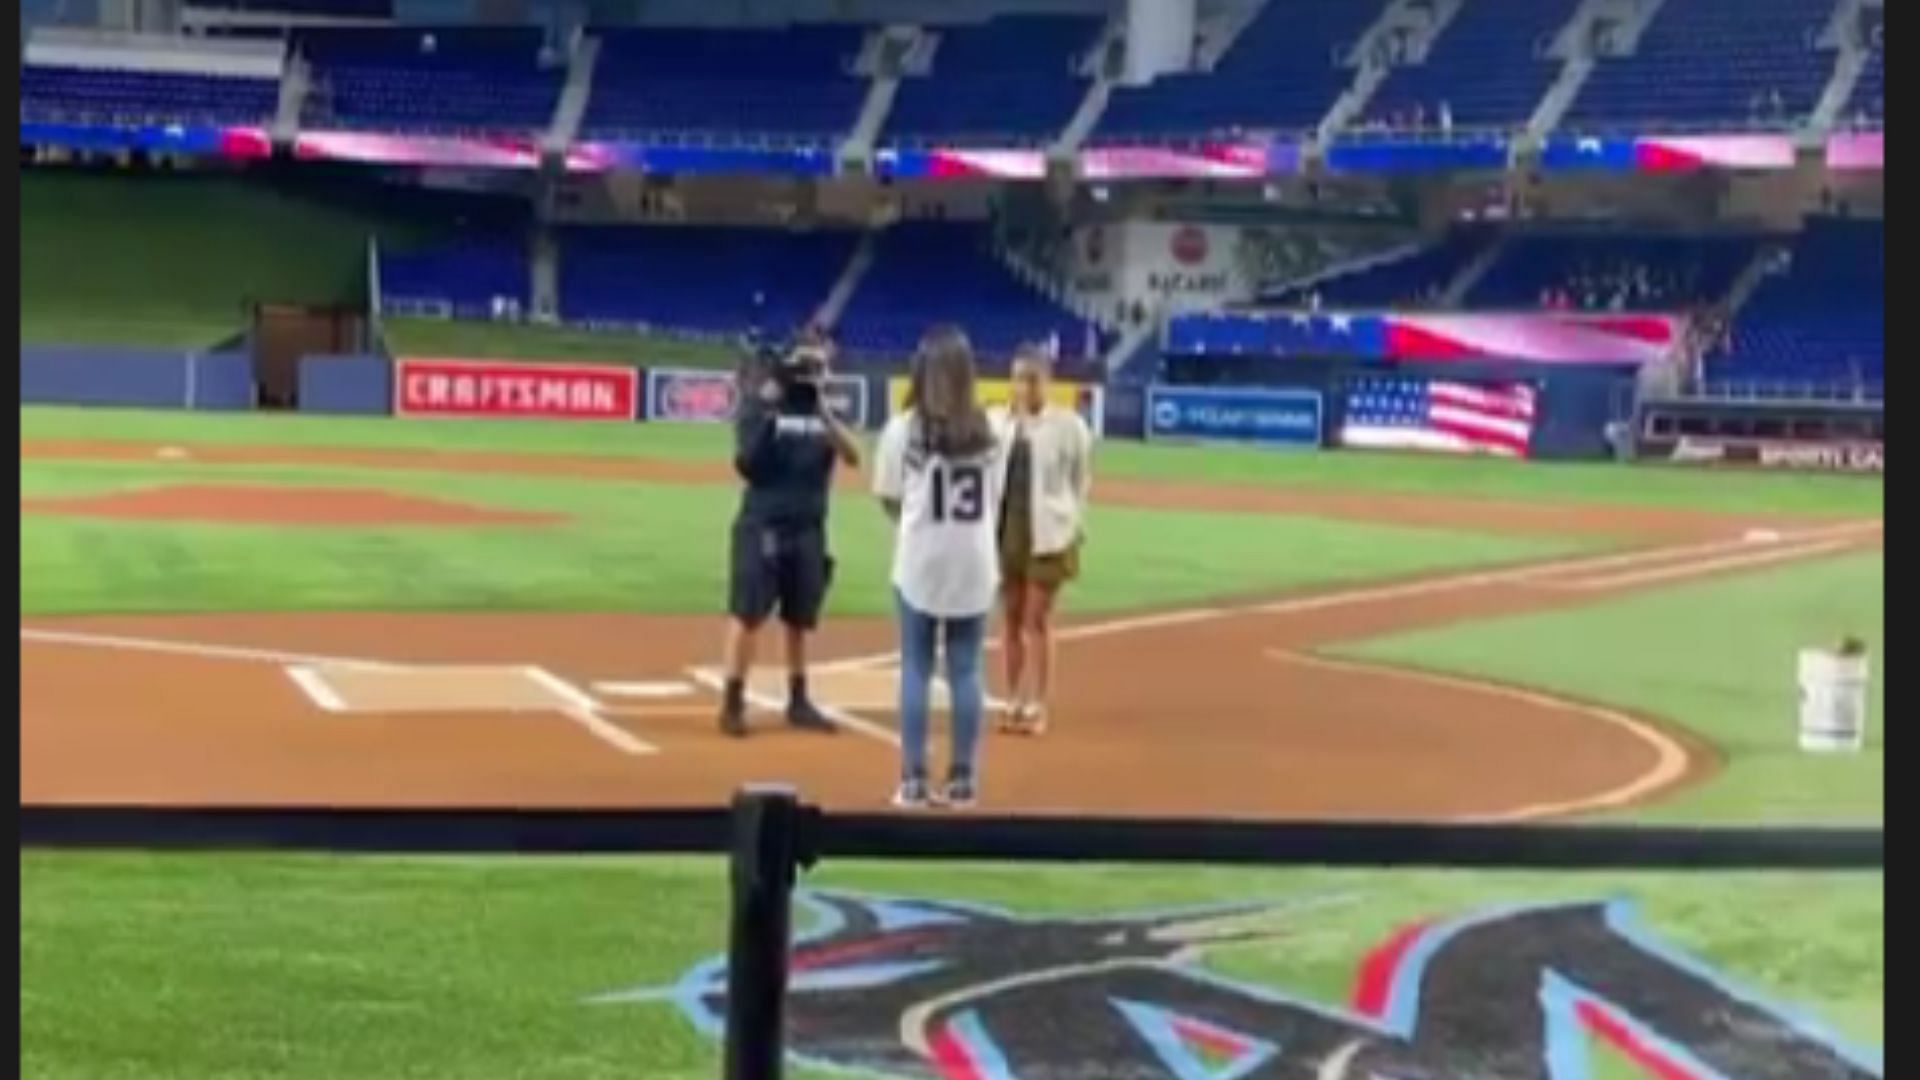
911	794
801	714
959	792
733	721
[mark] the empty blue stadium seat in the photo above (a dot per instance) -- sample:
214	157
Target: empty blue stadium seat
935	272
1280	73
1613	273
110	95
1704	63
790	83
431	79
1820	322
465	277
698	279
1003	82
1488	66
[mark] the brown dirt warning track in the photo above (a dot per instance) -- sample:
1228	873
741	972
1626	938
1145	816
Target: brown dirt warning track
1214	710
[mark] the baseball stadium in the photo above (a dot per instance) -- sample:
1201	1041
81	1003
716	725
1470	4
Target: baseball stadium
1472	664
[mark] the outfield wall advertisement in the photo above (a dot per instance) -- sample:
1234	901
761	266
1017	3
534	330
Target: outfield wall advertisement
1279	418
504	388
1803	455
697	396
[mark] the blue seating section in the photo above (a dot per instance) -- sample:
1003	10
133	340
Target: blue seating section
1414	281
466	276
1279	74
1612	273
64	93
1823	320
434	79
1710	63
1007	81
792	83
705	280
1488	66
934	272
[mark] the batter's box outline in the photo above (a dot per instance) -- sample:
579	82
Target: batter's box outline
438	688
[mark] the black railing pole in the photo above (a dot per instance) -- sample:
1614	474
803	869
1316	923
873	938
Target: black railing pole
767	852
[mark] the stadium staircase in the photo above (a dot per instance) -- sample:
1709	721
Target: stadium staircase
1598	28
883	59
294	85
1104	64
1470	275
1853	54
1403	33
848	282
543	275
582	58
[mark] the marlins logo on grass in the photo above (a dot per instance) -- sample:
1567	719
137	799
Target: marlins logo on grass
950	991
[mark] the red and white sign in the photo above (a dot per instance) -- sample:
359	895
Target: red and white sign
439	387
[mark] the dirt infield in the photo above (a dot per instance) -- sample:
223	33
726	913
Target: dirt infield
1207	711
233	504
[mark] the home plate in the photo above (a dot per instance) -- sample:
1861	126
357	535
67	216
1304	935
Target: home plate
666	688
1761	536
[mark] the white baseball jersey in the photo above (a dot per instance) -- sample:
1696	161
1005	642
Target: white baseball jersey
946	558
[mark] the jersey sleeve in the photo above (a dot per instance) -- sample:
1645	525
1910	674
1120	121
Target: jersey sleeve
890	460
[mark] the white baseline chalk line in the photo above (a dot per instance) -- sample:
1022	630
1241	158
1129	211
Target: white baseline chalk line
1371	594
190	648
712	680
316	687
1697	567
585	711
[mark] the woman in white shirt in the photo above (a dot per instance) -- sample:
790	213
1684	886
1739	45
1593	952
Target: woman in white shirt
938	472
1049	472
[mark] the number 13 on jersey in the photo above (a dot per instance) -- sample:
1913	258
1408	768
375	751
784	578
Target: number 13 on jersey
959	492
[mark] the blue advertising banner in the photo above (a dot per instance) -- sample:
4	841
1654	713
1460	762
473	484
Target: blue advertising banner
1219	414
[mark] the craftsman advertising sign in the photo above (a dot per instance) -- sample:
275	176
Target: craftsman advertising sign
506	388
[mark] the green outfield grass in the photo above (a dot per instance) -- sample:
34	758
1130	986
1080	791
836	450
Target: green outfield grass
560	344
1581	483
628	546
1716	657
244	966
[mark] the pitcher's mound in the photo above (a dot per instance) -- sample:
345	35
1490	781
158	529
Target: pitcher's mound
238	505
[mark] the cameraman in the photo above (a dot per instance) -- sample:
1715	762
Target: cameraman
786	443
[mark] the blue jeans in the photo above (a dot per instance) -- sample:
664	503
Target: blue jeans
965	639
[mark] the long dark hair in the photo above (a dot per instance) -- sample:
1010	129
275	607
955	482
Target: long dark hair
941	394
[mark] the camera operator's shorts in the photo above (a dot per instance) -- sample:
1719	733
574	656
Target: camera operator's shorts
778	566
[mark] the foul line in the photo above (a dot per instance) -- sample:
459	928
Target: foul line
1697	567
1404	590
1669	767
583	710
189	648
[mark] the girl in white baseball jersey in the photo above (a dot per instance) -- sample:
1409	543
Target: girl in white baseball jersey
939	473
1049	471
